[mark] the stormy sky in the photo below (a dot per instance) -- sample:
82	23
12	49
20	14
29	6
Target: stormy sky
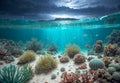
50	9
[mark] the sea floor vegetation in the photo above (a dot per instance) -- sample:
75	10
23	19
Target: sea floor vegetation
100	65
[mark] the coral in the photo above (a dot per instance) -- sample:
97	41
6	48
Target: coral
99	42
115	65
64	59
107	76
116	76
45	64
12	48
27	57
101	71
70	78
14	74
4	55
3	52
62	69
8	59
110	50
101	80
107	61
72	49
9	45
96	64
34	45
102	74
53	76
83	66
117	59
114	37
94	74
87	78
90	58
16	52
8	49
79	58
52	49
118	51
98	47
111	70
112	65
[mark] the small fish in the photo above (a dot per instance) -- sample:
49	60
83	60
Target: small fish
85	35
87	46
97	35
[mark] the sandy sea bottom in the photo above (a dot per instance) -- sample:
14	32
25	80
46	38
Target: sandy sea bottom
42	78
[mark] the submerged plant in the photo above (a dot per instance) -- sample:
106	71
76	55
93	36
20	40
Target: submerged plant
34	45
14	74
3	52
11	47
72	49
45	64
29	69
52	49
27	57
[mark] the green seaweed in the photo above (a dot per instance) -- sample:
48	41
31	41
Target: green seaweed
72	49
14	74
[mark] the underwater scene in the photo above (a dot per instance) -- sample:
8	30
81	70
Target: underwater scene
60	50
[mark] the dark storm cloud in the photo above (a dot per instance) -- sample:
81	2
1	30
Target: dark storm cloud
24	6
43	9
77	4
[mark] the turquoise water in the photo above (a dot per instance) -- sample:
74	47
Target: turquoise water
61	32
84	33
60	37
